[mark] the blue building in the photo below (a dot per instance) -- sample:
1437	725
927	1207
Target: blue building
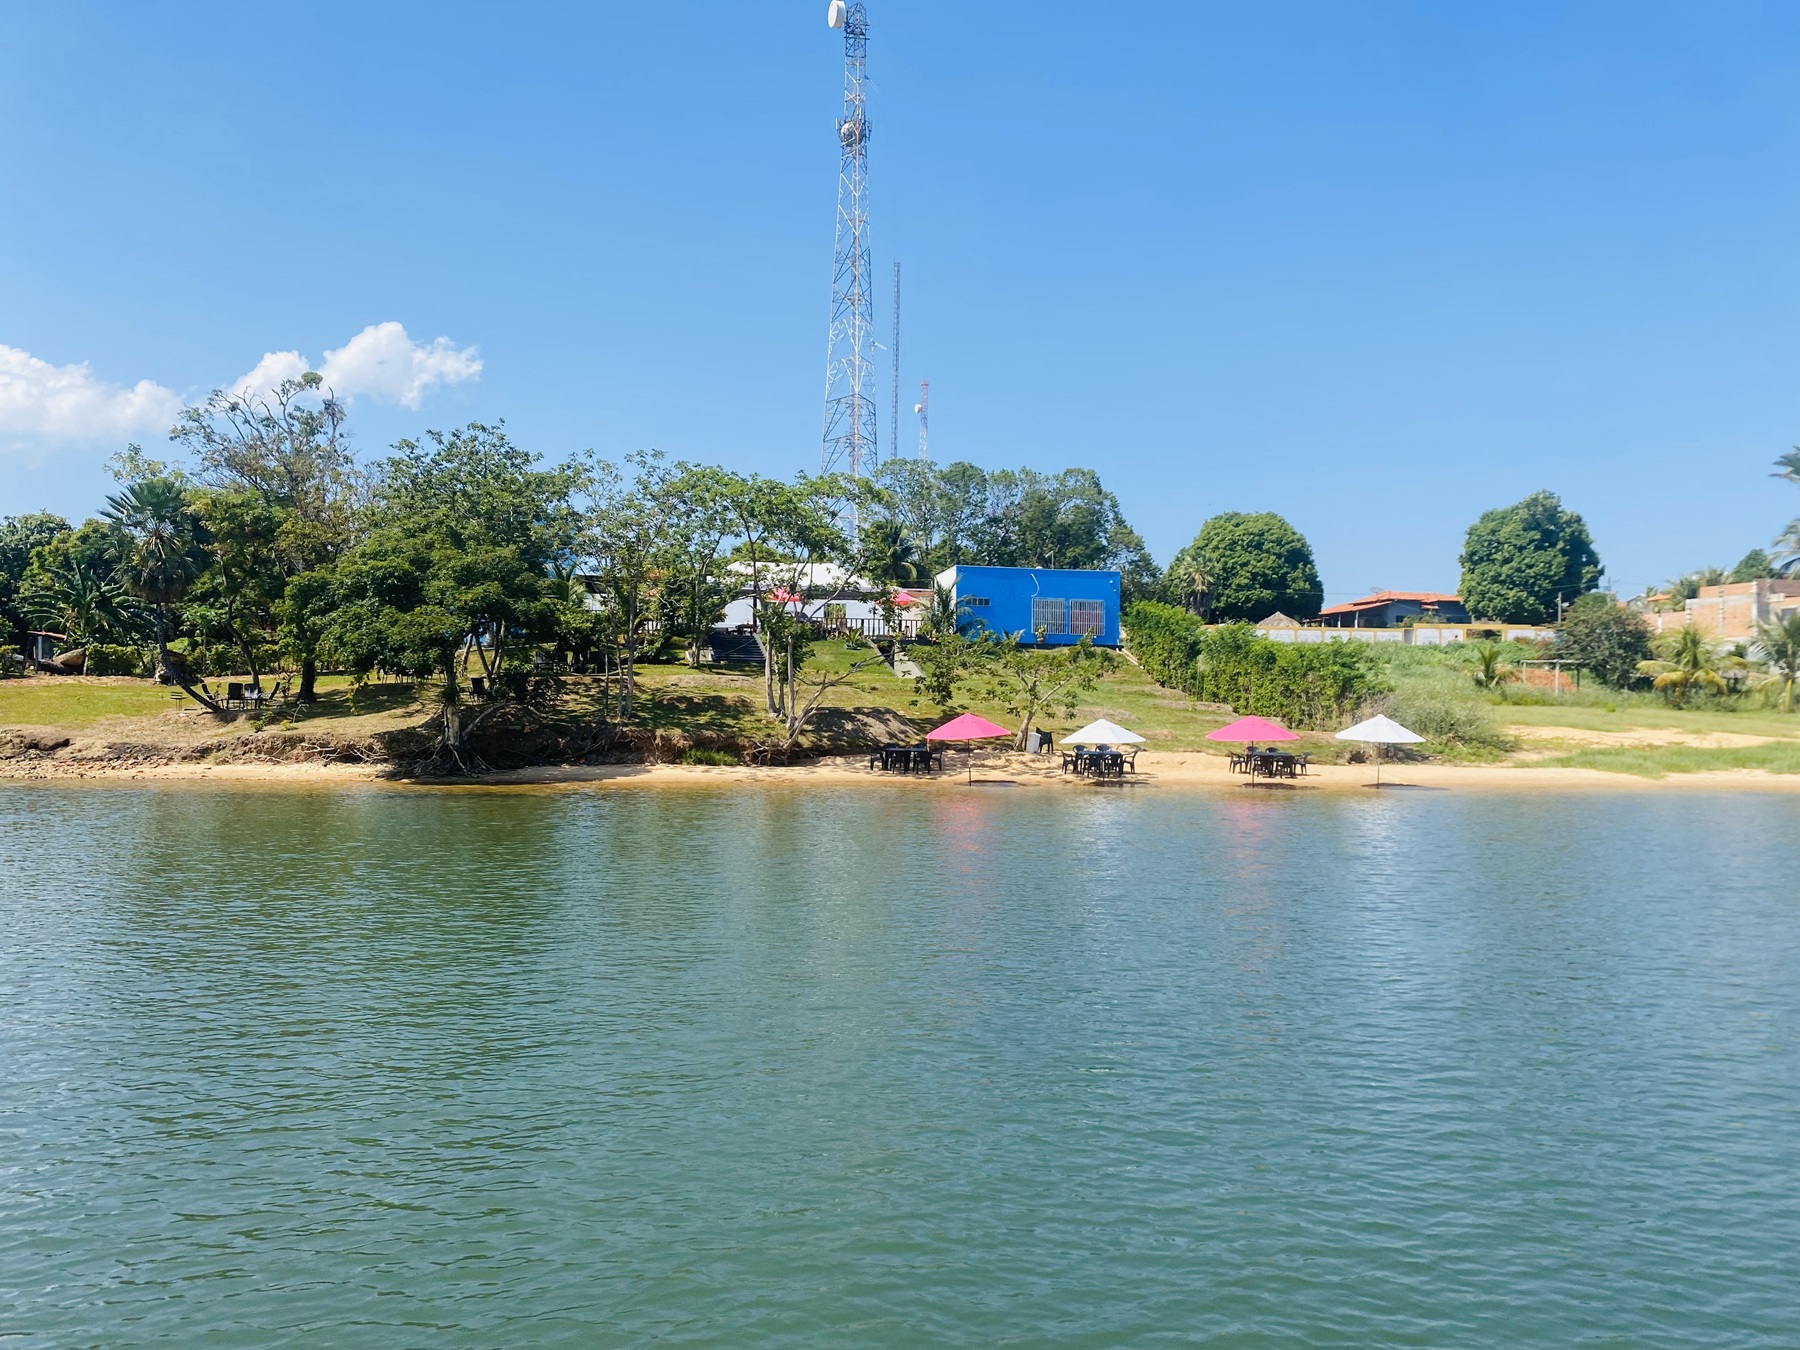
1064	605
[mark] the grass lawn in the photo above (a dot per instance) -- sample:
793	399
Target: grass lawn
1656	761
1629	716
72	703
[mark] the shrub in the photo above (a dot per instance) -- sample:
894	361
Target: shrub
1302	684
1443	719
104	659
718	758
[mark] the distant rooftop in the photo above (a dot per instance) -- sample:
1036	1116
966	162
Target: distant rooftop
1388	597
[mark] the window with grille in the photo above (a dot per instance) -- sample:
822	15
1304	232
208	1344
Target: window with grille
975	601
1087	616
1049	616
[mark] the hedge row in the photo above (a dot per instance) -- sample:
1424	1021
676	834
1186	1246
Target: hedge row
1315	684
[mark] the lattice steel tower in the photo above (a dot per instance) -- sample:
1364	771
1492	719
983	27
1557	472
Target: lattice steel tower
849	441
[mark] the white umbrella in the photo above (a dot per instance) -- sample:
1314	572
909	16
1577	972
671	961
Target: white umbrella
1380	730
1103	732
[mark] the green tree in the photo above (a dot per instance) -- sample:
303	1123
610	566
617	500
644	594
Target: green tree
695	500
1778	645
1753	566
1688	584
1688	665
626	537
453	575
1608	640
289	451
164	554
244	580
80	593
1787	543
1243	568
1027	681
20	537
893	558
1519	561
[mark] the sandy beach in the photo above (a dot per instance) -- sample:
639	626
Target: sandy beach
1156	771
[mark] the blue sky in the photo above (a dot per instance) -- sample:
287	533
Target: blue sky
1375	266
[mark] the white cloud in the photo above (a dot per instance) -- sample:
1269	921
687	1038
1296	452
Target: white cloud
40	403
380	363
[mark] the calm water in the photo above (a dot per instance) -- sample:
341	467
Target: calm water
784	1068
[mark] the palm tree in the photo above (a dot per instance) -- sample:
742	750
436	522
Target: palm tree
1788	466
1688	664
1778	641
893	557
1197	584
1490	669
163	559
944	617
84	602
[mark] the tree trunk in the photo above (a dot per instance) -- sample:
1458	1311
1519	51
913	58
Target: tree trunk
309	677
167	667
768	650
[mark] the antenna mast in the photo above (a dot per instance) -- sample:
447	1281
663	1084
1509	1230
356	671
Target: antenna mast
894	401
923	408
848	443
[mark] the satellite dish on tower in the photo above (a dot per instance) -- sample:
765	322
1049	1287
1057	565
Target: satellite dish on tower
834	14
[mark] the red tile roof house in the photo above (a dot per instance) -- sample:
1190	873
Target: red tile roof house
1388	609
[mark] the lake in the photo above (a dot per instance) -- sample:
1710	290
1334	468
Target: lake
758	1067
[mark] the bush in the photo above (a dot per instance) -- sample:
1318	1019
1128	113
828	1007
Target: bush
1443	719
1608	640
103	659
1310	684
717	758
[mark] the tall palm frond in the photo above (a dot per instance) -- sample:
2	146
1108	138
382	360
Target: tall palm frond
1778	645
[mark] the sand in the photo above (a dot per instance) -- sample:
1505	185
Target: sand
1157	771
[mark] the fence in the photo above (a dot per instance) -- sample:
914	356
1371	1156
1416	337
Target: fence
1420	635
872	627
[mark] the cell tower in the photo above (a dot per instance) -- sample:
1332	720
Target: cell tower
923	408
849	440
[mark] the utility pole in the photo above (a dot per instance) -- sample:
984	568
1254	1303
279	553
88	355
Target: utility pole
923	408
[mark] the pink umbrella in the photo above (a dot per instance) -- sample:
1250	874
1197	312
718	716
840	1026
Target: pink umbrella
902	599
967	728
1252	729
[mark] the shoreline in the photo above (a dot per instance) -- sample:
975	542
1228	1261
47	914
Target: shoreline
1156	771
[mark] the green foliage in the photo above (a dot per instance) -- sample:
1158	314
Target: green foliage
960	513
1517	560
75	585
1313	684
1491	671
1778	644
455	569
1688	665
1447	720
107	659
716	758
1659	760
1028	681
20	538
1753	566
893	558
1607	639
1243	568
